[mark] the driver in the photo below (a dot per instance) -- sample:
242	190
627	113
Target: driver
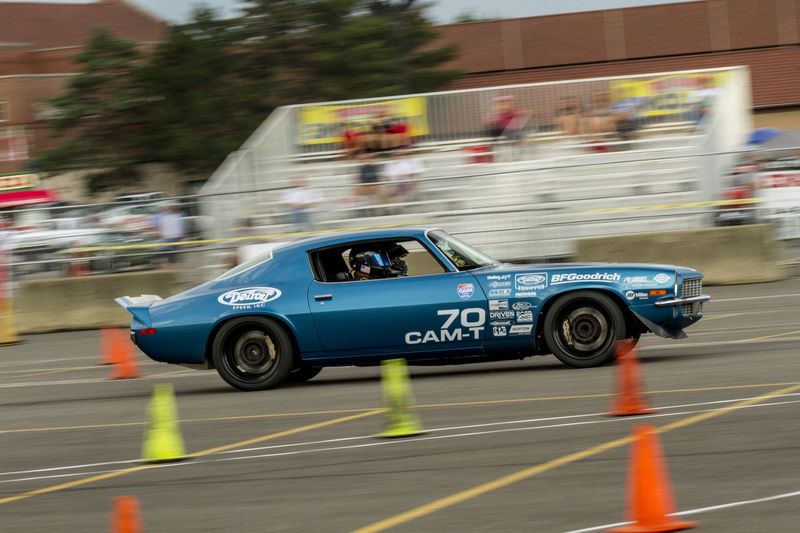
371	264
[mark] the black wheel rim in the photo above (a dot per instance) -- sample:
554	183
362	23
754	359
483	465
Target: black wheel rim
251	354
584	330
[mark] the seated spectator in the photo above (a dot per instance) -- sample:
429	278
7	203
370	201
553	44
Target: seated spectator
568	116
351	141
507	121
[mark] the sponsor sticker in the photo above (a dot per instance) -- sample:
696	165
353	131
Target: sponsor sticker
662	278
521	329
500	331
640	295
496	284
521	306
524	316
636	280
250	297
534	281
500	323
465	290
498	305
525	294
499	292
498	277
574	277
501	315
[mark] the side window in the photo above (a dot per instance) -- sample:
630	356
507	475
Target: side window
373	260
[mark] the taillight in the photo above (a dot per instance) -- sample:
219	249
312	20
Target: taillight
148	331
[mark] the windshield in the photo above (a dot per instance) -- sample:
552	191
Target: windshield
463	256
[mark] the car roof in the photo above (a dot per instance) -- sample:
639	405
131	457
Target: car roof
333	239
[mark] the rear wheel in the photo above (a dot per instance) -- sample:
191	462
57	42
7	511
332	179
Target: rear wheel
252	353
581	328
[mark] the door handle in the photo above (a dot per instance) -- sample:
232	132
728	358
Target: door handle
323	297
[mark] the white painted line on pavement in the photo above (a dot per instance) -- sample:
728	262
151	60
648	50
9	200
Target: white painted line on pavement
748	298
189	373
385	442
699	510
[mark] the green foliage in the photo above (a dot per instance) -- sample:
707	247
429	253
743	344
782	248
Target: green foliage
195	97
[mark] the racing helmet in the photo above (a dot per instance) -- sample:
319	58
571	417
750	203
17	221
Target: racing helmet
371	264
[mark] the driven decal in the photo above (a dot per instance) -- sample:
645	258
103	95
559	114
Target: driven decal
471	322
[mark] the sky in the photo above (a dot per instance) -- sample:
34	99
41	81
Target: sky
441	12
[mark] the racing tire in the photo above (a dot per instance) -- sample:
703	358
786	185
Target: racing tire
252	353
302	374
581	329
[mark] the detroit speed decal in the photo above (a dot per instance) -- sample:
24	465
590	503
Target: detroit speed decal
250	297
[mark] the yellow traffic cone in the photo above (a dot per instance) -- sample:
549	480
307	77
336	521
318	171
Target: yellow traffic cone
163	442
401	421
8	332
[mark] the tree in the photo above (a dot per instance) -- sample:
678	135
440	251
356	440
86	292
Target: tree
200	106
101	116
340	49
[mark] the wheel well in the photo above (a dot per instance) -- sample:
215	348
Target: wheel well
285	325
631	322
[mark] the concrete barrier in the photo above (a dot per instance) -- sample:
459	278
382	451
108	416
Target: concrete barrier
85	302
726	256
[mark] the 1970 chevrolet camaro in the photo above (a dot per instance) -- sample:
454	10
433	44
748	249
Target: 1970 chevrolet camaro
358	298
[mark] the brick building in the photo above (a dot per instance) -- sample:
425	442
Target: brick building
37	44
762	34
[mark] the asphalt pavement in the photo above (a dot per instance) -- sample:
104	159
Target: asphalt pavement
513	446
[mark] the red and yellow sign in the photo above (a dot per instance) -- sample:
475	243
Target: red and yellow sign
13	182
325	124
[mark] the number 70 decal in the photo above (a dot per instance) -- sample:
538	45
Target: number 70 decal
470	327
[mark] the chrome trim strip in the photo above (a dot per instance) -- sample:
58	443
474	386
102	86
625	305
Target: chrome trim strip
681	301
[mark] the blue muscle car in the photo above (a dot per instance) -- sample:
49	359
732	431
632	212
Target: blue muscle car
418	293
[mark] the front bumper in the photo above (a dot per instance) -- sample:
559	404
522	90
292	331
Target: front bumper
703	298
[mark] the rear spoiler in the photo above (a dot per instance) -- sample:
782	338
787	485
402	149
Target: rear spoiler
139	306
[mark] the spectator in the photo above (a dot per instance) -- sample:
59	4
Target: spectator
507	121
568	117
171	227
300	199
368	177
403	172
626	119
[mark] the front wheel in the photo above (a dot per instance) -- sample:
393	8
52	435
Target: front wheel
252	353
581	328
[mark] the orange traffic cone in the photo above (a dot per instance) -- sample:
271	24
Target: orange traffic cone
126	517
124	360
629	399
108	352
650	501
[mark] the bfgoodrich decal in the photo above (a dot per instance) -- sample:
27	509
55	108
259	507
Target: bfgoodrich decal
574	277
250	297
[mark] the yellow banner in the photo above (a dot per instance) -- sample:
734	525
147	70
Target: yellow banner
324	124
674	94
